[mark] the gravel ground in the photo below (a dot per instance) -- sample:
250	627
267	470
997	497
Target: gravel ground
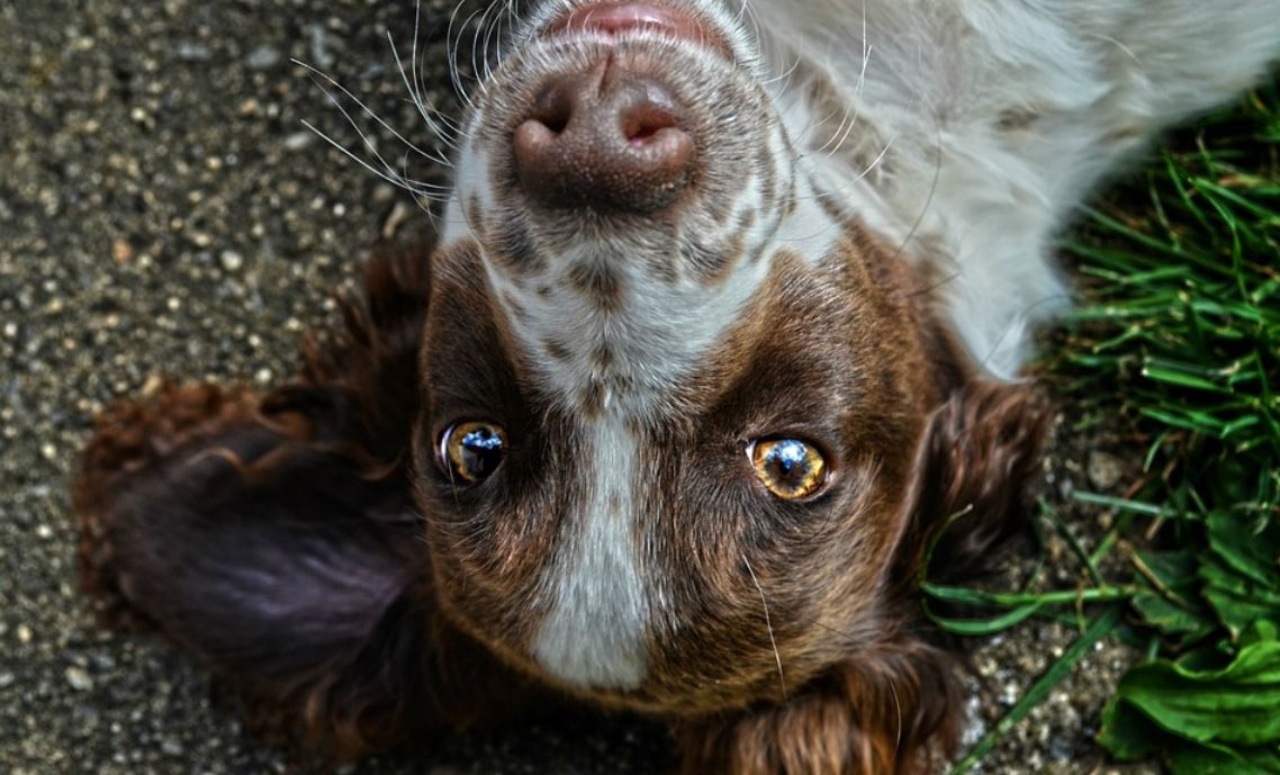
163	210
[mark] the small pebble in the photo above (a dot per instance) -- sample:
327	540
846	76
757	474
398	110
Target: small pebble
79	679
298	140
231	260
193	52
1103	469
263	57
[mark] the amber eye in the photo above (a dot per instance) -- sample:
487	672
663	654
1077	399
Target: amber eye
790	468
471	451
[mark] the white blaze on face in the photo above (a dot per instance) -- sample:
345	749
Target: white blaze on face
595	631
600	594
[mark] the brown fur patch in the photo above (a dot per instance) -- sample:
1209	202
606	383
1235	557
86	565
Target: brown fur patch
490	542
599	283
557	350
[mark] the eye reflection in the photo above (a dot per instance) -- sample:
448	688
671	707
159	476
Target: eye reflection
471	451
790	468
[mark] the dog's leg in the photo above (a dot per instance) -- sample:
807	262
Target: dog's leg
275	537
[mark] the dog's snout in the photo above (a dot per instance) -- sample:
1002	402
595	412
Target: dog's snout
608	138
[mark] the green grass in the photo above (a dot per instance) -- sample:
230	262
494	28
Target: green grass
1178	344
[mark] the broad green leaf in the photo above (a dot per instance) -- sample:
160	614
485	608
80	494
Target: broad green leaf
1235	706
1192	759
1128	734
1240	572
1250	551
1177	610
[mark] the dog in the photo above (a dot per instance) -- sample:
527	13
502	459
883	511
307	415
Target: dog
721	330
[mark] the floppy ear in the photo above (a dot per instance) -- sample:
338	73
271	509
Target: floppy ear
275	537
983	445
282	565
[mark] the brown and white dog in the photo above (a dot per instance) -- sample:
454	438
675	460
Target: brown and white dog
712	343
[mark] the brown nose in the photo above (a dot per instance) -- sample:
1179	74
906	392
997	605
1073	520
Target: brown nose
606	138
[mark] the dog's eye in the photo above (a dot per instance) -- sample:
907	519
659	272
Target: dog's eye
471	451
791	469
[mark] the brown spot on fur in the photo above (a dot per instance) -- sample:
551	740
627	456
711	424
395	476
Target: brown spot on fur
514	306
766	163
833	208
1125	135
711	265
602	357
474	214
599	283
591	398
512	249
557	351
1016	119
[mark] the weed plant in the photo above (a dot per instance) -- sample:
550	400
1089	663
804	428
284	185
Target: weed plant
1177	342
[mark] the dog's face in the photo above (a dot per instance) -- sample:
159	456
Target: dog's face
675	406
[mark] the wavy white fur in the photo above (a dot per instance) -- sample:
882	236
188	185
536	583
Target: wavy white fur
969	131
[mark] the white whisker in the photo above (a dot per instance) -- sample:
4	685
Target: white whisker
366	110
768	623
439	124
452	44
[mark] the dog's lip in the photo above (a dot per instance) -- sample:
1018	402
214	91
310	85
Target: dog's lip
613	17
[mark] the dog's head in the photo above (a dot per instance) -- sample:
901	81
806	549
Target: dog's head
685	423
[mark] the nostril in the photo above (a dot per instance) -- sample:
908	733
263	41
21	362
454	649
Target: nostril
553	109
555	122
641	125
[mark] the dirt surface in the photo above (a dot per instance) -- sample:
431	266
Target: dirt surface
164	210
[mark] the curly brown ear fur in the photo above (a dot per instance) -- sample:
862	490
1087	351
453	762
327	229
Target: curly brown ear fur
880	713
275	536
984	445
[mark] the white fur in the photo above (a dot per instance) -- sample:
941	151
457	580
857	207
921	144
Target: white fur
917	148
594	634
